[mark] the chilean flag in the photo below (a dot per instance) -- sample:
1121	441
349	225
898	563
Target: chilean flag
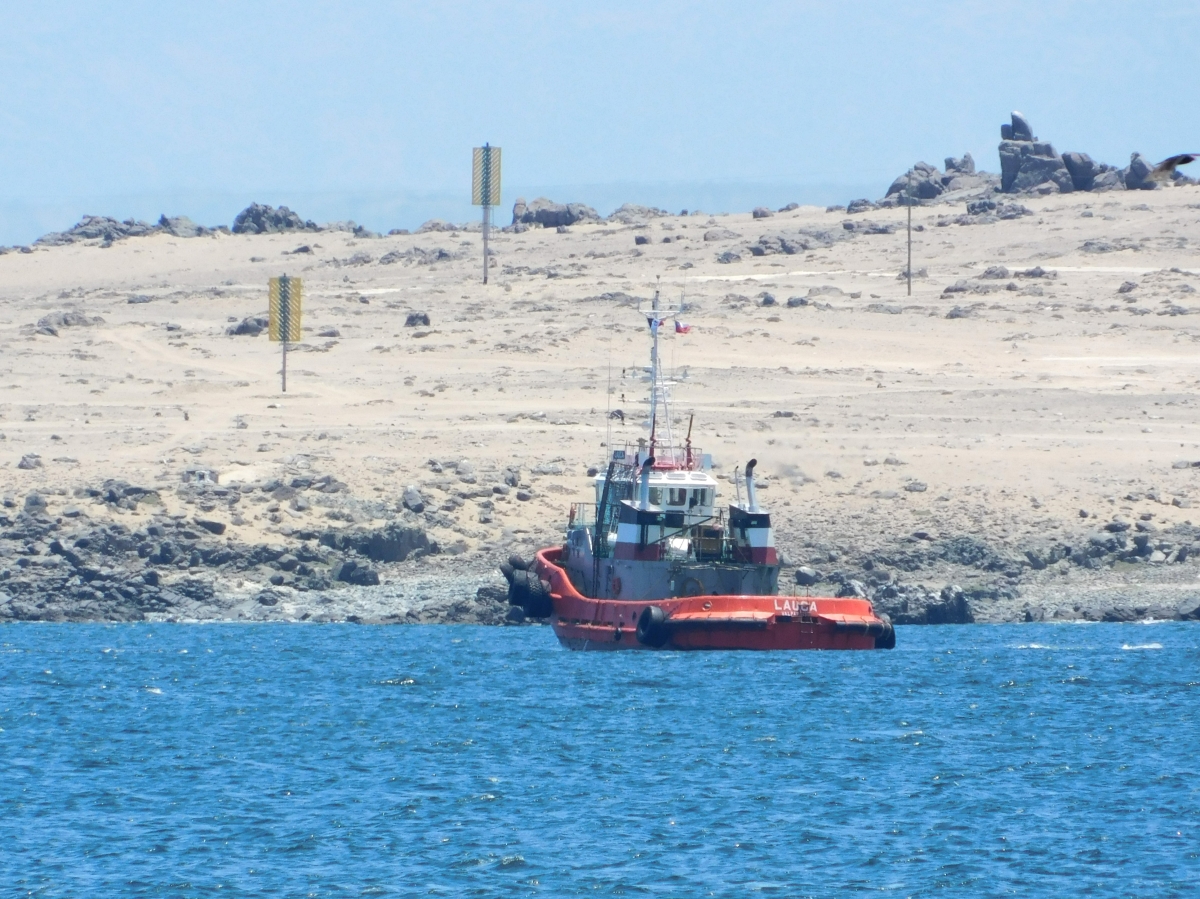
682	327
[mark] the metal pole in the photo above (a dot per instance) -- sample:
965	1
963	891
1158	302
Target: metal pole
285	304
909	201
486	222
910	232
486	185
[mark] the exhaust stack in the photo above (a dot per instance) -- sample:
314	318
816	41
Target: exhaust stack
751	496
644	489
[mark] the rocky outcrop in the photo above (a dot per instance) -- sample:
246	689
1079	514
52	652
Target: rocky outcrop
56	321
960	579
251	326
1082	169
926	182
549	214
1028	165
182	226
71	567
801	241
393	543
261	219
1137	174
914	604
105	230
633	214
97	227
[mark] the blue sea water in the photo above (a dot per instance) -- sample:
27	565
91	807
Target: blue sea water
330	760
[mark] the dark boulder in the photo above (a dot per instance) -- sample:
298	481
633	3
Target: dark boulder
963	166
549	214
182	226
922	181
261	219
56	321
396	542
413	501
351	572
97	227
806	576
250	326
1020	129
952	608
1137	174
1027	166
633	214
1082	168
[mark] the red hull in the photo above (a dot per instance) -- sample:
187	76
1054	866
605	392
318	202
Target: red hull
709	622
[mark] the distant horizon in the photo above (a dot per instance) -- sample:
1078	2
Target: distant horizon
369	111
384	210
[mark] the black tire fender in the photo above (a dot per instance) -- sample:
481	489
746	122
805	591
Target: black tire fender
652	627
518	589
538	603
886	640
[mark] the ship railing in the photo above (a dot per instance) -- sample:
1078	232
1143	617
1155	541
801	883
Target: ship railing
674	458
666	457
708	538
708	541
583	515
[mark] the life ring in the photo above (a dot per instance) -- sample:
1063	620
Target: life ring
616	586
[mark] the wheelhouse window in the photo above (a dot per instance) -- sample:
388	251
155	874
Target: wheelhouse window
656	496
677	496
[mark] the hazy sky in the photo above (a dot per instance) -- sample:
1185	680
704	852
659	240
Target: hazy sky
369	110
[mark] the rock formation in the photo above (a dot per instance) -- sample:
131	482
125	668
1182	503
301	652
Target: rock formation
1028	165
927	182
549	214
260	219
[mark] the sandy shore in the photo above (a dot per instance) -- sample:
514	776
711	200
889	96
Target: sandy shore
1002	411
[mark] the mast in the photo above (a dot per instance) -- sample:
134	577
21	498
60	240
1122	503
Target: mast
654	371
691	418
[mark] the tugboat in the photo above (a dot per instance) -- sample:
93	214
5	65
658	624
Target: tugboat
655	563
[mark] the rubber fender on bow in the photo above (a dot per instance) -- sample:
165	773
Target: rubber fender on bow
652	627
507	570
538	603
886	640
518	588
517	562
